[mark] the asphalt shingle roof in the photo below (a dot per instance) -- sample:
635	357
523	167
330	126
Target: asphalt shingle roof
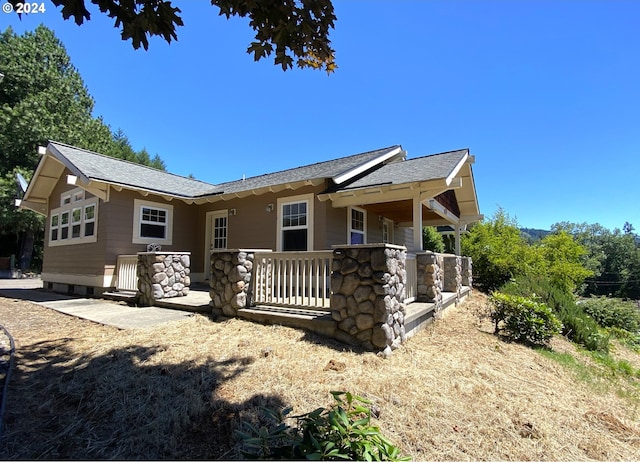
109	169
327	169
425	168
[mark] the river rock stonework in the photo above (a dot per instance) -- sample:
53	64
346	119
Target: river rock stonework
162	275
368	291
230	281
430	278
453	274
467	272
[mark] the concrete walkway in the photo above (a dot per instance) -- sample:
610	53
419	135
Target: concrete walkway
97	310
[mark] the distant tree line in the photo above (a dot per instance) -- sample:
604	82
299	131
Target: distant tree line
43	97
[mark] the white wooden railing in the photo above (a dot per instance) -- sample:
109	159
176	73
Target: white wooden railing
301	279
411	288
127	273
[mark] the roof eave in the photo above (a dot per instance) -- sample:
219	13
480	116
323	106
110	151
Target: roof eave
353	172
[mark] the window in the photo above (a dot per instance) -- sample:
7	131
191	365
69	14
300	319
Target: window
387	231
220	232
295	227
153	223
55	222
89	220
74	222
357	226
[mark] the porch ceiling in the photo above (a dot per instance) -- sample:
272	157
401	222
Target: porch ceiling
401	212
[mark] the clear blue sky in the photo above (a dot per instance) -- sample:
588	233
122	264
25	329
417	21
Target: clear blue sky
545	94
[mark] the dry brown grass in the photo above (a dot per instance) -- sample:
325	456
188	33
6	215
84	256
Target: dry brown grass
453	392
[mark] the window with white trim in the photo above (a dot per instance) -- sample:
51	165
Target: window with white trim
357	226
152	223
220	232
295	223
74	222
387	231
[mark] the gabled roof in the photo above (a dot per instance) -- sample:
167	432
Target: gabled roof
341	167
91	166
425	168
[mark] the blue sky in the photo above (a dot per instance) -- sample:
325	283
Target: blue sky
545	94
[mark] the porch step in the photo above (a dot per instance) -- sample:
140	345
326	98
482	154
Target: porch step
120	295
317	321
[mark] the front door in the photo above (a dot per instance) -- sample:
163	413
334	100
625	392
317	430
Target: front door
217	233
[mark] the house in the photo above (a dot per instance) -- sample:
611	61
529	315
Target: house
99	207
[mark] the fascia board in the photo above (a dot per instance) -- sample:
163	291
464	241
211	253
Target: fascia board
348	174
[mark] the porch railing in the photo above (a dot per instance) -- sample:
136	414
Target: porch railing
127	273
301	279
411	288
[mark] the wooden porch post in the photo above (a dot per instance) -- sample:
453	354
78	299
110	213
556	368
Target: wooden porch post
417	224
457	239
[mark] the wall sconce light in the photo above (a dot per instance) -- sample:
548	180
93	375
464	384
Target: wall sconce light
232	212
269	208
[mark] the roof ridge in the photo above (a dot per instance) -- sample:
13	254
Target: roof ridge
438	154
130	162
311	165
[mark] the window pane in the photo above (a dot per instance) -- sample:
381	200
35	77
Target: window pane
294	240
89	228
64	218
357	238
64	232
75	231
357	220
54	221
54	234
154	231
76	215
89	212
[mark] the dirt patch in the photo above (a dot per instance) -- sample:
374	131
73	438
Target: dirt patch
453	391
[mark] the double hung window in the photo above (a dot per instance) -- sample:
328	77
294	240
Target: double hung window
74	222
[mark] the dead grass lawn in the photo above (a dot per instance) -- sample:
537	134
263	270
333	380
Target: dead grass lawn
453	392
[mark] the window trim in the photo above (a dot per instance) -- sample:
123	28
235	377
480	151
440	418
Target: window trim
388	223
71	201
138	206
281	202
350	229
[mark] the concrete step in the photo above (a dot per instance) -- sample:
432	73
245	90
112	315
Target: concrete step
317	321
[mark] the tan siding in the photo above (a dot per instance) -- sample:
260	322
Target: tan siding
119	232
336	219
86	258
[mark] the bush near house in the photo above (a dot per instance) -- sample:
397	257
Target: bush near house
523	319
578	326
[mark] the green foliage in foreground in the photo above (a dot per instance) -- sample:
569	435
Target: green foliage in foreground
432	239
343	432
578	326
523	319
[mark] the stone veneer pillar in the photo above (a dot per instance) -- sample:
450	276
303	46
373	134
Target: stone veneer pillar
452	281
430	273
467	272
368	291
230	282
162	275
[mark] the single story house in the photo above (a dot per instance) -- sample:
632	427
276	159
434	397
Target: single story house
99	208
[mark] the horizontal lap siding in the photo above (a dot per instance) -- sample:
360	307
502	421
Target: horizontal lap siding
119	225
85	258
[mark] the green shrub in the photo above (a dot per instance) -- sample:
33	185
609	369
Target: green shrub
523	319
432	239
578	326
343	432
613	312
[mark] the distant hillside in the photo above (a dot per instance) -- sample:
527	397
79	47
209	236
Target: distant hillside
533	235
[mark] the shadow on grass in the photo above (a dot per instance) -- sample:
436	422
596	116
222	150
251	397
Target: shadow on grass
123	404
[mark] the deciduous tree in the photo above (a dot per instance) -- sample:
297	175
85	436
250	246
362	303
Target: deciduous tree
295	31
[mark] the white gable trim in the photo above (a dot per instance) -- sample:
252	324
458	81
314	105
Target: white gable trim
347	175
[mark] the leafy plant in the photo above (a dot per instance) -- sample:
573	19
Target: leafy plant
612	312
342	432
523	319
577	325
432	239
